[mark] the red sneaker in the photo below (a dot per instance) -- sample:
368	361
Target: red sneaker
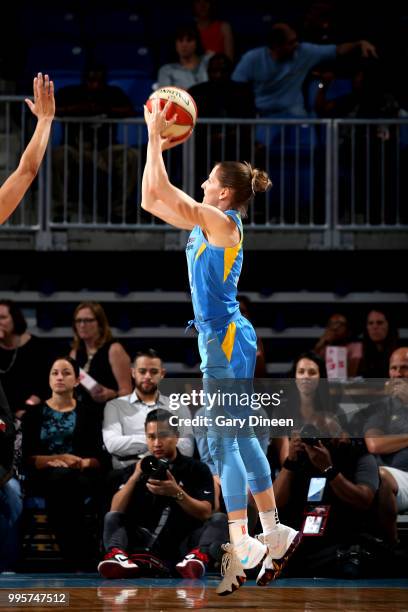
193	565
116	564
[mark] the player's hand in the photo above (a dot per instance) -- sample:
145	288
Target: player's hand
156	119
43	106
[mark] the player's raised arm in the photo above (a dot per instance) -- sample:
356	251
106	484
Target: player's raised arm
17	184
164	200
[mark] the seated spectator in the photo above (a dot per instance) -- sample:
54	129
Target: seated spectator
277	71
62	448
219	98
338	333
386	436
23	367
351	484
260	366
216	36
11	505
191	67
124	417
23	361
93	98
380	339
310	395
167	515
99	356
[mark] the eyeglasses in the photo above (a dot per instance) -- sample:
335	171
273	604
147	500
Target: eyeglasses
84	321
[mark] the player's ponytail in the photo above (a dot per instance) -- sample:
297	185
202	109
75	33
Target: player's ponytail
244	182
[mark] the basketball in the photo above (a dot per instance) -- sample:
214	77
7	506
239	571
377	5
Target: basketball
182	104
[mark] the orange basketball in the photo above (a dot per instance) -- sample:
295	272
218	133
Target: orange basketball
182	104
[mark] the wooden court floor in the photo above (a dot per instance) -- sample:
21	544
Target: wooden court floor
91	594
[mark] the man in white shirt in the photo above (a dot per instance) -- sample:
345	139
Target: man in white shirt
124	417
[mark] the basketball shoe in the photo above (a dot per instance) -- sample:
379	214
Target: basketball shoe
281	543
116	564
193	565
247	555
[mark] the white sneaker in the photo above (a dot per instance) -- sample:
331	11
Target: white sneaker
281	543
251	552
231	570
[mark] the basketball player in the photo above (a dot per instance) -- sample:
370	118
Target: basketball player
227	341
17	184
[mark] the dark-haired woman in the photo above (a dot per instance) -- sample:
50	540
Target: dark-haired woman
226	341
23	362
380	339
62	449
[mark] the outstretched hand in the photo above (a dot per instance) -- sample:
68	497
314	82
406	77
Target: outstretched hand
44	103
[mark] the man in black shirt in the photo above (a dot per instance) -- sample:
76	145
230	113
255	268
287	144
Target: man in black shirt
352	481
165	509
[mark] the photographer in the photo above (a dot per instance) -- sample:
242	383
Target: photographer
351	477
164	508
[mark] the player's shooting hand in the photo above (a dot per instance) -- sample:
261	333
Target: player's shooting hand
43	106
156	119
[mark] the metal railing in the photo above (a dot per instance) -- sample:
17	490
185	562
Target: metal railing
333	176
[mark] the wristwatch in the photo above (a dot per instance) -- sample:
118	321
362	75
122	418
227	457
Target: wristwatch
179	496
330	472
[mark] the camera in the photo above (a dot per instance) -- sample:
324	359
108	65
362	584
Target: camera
154	468
310	435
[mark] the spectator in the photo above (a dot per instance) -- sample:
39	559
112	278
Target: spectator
351	484
216	36
99	356
23	362
93	145
62	445
277	71
124	418
380	340
310	395
11	505
338	333
386	436
220	98
191	67
168	515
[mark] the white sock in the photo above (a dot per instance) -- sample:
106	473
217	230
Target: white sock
269	521
238	530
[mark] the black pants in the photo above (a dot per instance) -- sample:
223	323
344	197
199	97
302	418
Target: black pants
119	532
69	494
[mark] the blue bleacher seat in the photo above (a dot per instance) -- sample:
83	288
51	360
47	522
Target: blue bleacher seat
49	23
47	56
125	56
137	88
116	25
